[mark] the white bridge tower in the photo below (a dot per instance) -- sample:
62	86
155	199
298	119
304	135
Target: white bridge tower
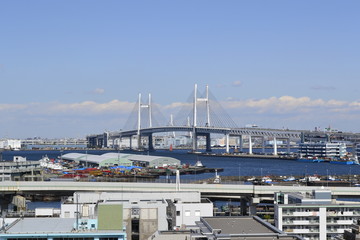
208	123
140	107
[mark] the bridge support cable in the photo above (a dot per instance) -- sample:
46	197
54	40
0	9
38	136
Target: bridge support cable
131	122
218	113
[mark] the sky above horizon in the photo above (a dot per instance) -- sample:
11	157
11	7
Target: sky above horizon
72	68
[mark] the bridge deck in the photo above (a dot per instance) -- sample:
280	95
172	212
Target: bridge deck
217	189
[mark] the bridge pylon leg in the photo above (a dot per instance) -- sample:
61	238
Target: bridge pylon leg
288	145
194	140
208	142
263	144
227	142
139	141
151	145
244	206
275	146
241	143
250	145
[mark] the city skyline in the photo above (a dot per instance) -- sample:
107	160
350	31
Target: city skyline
69	69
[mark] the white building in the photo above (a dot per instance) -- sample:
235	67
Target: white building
10	144
322	149
314	215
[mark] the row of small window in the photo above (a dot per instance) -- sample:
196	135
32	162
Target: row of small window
288	211
187	213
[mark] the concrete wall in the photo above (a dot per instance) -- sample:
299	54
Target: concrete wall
85	210
191	212
94	197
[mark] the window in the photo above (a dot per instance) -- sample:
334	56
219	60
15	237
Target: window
177	213
187	213
197	213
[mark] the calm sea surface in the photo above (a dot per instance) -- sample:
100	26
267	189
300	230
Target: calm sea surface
232	166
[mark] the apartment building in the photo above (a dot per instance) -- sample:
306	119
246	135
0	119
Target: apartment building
314	215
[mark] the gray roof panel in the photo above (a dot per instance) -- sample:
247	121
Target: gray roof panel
43	225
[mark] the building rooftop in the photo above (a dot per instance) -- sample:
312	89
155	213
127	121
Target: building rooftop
42	225
236	225
50	226
97	159
244	227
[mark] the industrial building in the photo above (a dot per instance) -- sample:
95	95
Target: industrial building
143	213
20	170
120	159
153	161
314	215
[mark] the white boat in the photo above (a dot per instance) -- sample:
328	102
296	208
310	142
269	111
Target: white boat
45	162
266	179
199	164
217	178
289	179
310	179
331	178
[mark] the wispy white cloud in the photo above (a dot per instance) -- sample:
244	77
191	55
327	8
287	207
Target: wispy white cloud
99	91
236	83
86	117
283	104
80	108
287	104
176	105
12	107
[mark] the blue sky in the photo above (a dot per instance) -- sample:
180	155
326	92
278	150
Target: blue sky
71	68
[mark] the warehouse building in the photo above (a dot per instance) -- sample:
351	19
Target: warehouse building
153	161
120	159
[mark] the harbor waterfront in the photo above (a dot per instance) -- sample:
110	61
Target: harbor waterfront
233	166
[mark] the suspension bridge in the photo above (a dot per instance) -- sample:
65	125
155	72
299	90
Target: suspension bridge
201	116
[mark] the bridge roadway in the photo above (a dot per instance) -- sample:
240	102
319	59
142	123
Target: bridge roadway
279	133
209	190
205	131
